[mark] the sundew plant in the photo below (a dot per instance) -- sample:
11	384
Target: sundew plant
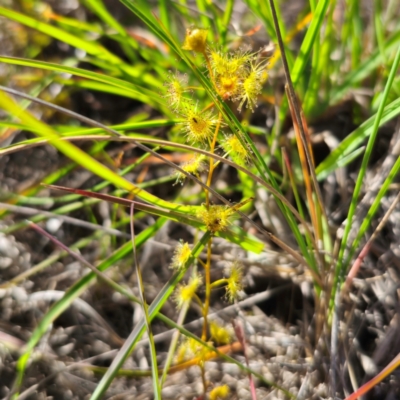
190	157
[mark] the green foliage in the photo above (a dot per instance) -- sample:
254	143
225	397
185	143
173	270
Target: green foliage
201	87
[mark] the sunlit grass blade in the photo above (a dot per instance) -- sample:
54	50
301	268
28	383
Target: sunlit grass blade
309	41
124	86
342	264
91	47
101	11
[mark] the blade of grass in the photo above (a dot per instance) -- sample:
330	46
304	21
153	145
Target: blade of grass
372	210
234	234
129	88
146	317
340	163
342	264
349	145
300	124
309	41
91	47
101	11
364	69
226	20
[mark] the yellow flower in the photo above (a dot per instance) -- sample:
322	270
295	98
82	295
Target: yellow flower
195	40
229	71
192	348
181	255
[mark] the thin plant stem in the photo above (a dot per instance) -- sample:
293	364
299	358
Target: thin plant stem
208	290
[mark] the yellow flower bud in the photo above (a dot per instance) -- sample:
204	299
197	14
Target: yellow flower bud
195	40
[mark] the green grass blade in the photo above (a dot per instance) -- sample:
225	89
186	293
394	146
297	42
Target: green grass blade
226	20
146	317
341	265
355	139
309	40
164	8
129	88
98	7
364	69
373	209
90	47
341	162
